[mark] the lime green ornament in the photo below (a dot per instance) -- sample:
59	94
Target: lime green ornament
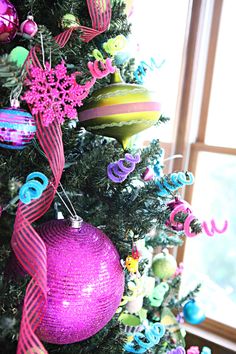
18	55
68	21
120	110
114	45
129	320
164	265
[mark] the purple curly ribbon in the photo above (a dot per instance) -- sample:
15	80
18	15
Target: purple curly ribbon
178	350
117	171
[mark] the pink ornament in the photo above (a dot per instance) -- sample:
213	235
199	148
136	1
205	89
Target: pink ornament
9	21
1	209
85	282
193	350
54	94
176	205
17	128
179	269
148	174
29	27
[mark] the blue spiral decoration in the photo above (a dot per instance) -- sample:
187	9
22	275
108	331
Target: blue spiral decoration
33	189
206	350
118	171
171	183
146	341
158	167
141	70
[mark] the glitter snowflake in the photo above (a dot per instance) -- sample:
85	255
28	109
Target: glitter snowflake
54	94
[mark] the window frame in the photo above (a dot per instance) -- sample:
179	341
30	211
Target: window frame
187	86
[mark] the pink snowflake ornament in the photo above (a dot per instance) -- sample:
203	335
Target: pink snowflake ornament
55	95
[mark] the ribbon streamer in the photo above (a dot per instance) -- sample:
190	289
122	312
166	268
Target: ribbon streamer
177	180
188	220
106	68
100	14
158	294
117	171
141	70
28	247
193	350
33	189
178	350
206	350
211	232
146	341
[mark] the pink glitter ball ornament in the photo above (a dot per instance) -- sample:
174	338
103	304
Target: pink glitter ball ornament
9	21
85	282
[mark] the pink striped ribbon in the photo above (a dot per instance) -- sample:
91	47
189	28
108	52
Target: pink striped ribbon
100	14
27	245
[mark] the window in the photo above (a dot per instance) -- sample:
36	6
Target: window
205	136
161	37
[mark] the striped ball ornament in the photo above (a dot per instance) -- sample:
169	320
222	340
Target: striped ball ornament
17	128
120	110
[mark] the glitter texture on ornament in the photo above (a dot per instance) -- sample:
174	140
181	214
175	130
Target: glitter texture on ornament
55	94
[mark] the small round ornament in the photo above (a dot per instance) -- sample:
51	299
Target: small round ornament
18	55
85	281
17	127
68	21
9	21
148	174
120	110
29	27
164	265
193	313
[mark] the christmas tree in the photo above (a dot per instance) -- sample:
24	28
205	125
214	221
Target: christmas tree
88	218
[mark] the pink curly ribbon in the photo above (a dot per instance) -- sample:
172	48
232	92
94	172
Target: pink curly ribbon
187	222
193	350
106	68
179	269
211	232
